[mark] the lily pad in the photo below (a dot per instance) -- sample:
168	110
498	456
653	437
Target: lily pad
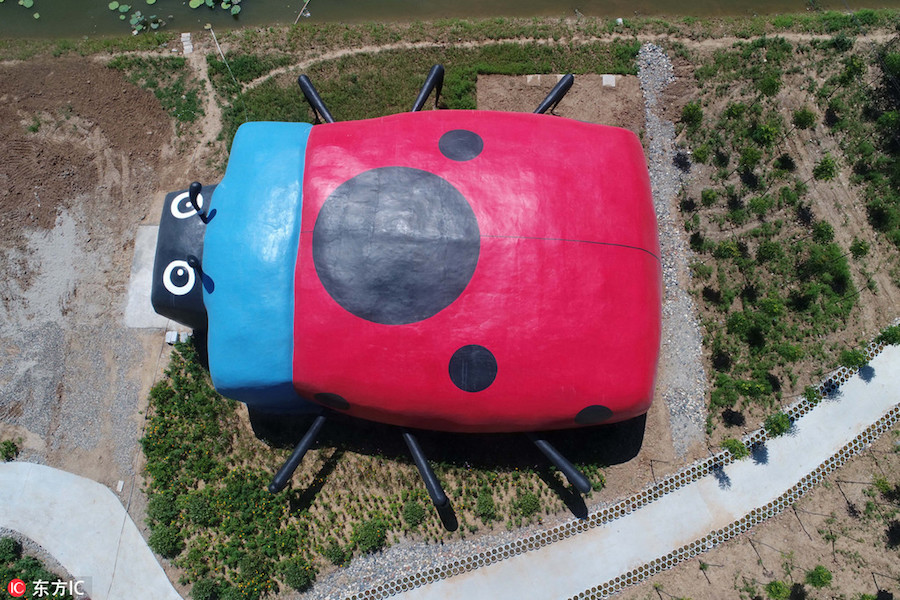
37	15
151	1
114	5
195	3
121	17
27	3
235	10
226	5
124	8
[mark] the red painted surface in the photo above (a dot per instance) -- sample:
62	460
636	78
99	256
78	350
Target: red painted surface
566	293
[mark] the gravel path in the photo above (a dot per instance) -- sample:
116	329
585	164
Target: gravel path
682	379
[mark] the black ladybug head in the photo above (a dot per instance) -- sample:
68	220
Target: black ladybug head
177	290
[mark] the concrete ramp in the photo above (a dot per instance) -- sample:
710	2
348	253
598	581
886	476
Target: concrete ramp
85	528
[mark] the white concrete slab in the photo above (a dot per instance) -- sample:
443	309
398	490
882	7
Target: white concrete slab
138	310
82	525
568	567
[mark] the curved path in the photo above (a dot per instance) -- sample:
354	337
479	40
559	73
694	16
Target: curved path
84	526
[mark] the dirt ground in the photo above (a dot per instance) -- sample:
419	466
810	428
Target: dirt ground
88	159
83	155
588	99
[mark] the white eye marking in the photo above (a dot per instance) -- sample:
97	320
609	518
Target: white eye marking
185	197
182	266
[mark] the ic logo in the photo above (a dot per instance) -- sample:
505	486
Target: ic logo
16	588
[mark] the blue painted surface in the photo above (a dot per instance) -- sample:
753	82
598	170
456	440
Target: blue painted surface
249	254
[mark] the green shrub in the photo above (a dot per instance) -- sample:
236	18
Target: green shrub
205	589
825	169
231	593
769	84
750	156
10	550
484	505
769	251
335	553
369	536
859	248
811	394
818	577
527	504
708	197
166	541
299	574
162	508
823	232
777	425
701	153
8	450
789	352
804	118
778	590
413	513
736	447
692	114
891	335
854	359
201	512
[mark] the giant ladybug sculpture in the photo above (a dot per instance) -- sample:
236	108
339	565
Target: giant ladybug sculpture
453	270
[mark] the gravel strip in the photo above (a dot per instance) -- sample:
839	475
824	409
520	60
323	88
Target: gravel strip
682	378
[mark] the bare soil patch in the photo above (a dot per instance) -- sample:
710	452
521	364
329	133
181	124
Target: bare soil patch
588	99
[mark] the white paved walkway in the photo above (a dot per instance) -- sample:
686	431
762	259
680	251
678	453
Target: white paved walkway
566	568
85	528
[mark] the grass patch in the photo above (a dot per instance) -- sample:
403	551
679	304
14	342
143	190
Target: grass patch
373	85
169	80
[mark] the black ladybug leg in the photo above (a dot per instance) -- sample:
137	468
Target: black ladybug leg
438	497
434	81
280	481
312	96
556	94
575	477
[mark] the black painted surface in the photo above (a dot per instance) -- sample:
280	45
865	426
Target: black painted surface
395	245
461	145
180	240
332	401
473	368
593	415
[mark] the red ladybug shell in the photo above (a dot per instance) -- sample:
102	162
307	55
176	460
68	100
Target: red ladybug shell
477	271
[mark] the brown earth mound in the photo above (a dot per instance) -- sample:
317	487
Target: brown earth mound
68	124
